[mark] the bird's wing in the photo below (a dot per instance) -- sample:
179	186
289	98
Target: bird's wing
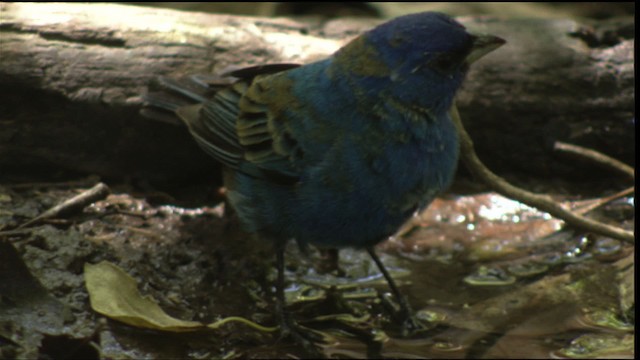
238	126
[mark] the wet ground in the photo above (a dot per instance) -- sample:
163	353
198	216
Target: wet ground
487	277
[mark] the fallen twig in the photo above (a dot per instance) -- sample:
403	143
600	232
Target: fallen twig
597	157
541	202
594	204
77	203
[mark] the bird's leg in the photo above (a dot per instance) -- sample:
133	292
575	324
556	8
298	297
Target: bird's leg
283	316
288	326
410	324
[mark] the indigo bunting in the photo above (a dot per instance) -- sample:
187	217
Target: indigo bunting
342	151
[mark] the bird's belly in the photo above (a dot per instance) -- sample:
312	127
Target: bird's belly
370	206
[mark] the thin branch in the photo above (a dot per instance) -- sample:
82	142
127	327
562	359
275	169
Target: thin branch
594	204
541	202
70	206
597	157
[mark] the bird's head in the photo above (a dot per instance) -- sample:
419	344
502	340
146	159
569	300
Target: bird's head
428	42
418	59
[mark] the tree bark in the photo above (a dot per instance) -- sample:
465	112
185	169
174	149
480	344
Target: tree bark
71	76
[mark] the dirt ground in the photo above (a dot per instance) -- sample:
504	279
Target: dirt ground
489	276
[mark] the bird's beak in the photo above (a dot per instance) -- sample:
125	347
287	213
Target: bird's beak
482	45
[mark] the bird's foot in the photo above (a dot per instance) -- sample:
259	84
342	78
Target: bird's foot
306	338
410	324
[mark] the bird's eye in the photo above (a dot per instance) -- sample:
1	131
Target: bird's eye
443	63
447	62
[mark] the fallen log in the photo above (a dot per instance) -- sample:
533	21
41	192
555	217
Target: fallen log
71	76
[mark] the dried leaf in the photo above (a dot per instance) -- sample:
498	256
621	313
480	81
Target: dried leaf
114	293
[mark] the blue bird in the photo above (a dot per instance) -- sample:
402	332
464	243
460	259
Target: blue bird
339	152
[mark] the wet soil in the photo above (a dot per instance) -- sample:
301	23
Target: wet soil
488	278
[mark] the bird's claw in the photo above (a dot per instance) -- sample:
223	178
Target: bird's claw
412	325
305	337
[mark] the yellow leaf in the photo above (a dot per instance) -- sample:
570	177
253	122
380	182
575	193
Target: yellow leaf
114	294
